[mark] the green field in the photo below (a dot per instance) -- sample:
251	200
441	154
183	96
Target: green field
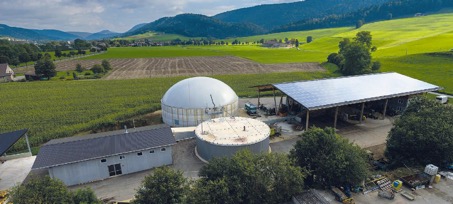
54	109
63	108
155	37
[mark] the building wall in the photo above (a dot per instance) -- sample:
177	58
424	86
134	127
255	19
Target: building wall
92	170
208	150
180	117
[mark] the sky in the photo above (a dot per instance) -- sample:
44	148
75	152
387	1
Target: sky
114	15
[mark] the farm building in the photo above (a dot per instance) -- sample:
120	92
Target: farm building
83	159
194	100
347	96
222	137
6	73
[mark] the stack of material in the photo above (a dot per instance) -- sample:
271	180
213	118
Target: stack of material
384	184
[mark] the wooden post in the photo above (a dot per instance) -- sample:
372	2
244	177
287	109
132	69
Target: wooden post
385	107
361	112
259	91
308	117
336	118
275	101
28	143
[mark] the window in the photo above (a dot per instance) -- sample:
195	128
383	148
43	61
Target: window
139	153
152	151
121	157
163	149
103	160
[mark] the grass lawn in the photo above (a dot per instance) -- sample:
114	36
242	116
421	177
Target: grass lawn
432	68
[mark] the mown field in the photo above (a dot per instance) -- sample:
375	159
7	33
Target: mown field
54	109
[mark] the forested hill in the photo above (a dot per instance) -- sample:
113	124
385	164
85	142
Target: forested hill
195	25
272	16
389	10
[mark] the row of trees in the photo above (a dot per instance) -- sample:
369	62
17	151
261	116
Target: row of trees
354	57
14	54
422	135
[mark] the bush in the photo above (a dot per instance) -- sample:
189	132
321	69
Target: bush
87	73
97	69
62	77
376	66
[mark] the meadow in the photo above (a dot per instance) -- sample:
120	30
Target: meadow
55	109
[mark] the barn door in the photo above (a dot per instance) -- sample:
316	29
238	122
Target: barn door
115	169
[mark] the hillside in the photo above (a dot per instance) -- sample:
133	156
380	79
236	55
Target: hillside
274	15
386	11
102	35
56	34
195	25
20	33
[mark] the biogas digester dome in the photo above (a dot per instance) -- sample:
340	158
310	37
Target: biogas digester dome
194	100
223	137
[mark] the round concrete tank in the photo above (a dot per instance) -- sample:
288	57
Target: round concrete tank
194	100
222	137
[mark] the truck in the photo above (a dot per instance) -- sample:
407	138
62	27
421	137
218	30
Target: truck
341	197
442	99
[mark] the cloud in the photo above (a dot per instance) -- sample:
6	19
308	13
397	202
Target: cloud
115	15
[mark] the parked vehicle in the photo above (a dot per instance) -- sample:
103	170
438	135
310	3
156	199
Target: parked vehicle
250	108
442	99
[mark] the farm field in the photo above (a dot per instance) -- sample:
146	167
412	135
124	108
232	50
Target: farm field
55	109
187	66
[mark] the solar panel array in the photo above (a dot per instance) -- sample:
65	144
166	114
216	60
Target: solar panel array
326	93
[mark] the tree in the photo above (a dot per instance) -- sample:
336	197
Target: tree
41	190
74	76
364	38
330	159
106	65
85	195
422	135
164	185
97	69
45	67
359	24
357	59
356	55
58	53
309	39
250	178
79	68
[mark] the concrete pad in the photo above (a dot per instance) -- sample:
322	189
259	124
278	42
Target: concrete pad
13	172
370	133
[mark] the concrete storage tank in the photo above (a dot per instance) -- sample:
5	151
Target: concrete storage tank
194	100
222	137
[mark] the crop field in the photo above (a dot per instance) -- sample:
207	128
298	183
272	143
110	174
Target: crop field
55	109
187	66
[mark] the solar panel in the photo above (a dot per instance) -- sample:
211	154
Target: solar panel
319	94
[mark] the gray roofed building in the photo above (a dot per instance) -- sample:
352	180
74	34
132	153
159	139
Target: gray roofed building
82	159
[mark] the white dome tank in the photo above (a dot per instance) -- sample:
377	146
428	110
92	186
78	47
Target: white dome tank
191	101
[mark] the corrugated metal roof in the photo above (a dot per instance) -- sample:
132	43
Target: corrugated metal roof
83	148
327	93
8	139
